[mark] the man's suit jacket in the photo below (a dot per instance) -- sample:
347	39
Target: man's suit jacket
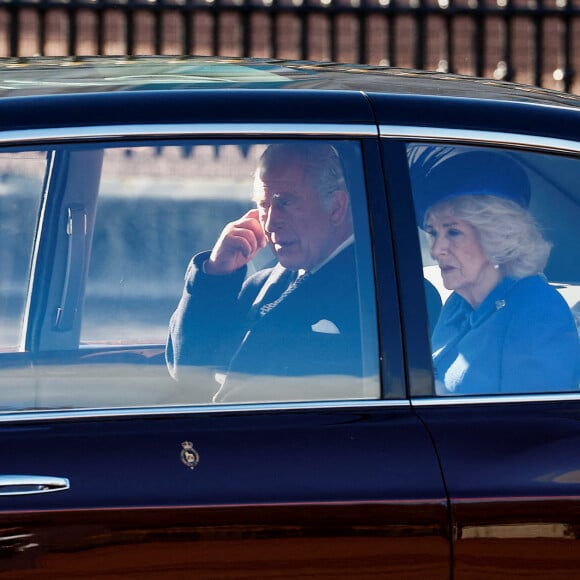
314	331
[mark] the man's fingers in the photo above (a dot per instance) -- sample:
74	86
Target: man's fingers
244	240
251	221
238	243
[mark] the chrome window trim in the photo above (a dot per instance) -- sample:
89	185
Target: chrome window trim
89	133
467	136
494	399
189	410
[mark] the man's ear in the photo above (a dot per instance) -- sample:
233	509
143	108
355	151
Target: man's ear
339	207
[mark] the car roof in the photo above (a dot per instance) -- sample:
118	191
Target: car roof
85	91
68	75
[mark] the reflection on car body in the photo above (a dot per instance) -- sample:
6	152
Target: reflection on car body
114	177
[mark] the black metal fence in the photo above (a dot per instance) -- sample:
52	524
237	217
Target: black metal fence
531	41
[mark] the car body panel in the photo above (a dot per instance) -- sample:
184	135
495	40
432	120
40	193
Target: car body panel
234	542
512	473
318	478
208	107
477	115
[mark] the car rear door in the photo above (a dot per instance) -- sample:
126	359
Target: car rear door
509	461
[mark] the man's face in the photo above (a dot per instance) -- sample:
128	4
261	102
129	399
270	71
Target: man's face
298	226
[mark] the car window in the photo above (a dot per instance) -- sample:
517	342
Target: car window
499	240
22	176
134	315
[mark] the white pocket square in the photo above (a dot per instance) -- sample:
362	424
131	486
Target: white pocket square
326	327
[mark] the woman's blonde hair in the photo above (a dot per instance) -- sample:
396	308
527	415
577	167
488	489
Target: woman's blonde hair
507	232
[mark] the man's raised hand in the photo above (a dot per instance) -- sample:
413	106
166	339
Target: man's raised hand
238	243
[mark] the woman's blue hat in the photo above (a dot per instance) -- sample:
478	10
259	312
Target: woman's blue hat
439	173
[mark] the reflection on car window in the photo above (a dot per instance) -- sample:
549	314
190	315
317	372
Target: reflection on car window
155	205
278	301
499	240
292	331
22	176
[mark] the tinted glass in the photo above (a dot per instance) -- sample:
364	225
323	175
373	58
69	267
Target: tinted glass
290	318
501	255
156	206
21	181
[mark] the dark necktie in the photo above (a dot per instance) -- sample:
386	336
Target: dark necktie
264	309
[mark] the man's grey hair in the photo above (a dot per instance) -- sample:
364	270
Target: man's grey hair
321	163
507	232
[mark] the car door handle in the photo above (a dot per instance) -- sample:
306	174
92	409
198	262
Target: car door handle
76	229
31	484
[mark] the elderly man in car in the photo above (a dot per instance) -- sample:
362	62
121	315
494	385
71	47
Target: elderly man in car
290	332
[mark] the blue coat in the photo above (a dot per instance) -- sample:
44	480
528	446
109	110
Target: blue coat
521	339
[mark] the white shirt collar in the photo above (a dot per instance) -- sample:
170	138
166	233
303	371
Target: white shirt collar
337	251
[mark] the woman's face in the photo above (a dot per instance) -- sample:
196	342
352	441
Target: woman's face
464	265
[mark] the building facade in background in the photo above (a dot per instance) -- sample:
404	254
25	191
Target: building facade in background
529	42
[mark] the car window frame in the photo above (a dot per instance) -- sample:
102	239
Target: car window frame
394	140
389	333
33	243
